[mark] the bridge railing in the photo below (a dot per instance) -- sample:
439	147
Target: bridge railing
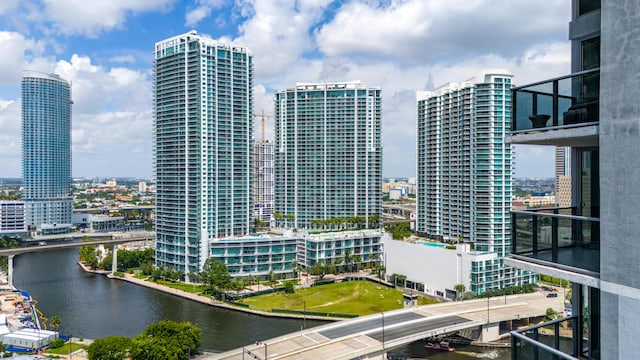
548	340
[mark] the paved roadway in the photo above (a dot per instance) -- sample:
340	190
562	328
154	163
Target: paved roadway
366	335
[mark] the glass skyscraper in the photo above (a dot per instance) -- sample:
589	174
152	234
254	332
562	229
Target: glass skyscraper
46	151
328	154
203	146
464	172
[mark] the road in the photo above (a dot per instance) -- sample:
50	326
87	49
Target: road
366	335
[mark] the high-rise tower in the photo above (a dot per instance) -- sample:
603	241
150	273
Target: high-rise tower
203	134
328	153
464	171
262	180
46	151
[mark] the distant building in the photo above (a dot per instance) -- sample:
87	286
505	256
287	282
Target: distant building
98	222
263	187
142	187
12	218
397	193
46	150
464	172
563	176
328	153
203	105
111	183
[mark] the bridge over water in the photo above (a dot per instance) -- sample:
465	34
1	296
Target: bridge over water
105	239
371	336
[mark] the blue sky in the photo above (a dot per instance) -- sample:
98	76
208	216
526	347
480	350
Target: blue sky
104	47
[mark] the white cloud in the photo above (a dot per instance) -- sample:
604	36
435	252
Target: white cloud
7	5
90	19
278	32
202	9
12	48
130	59
10	138
416	31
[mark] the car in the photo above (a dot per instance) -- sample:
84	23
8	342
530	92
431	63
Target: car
546	288
552	295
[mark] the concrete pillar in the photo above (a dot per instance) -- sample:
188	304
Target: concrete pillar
114	265
10	269
490	332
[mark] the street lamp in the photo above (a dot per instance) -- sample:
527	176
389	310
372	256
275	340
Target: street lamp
304	315
487	310
265	351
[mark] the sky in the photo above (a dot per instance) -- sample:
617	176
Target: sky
104	47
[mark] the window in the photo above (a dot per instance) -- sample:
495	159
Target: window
586	6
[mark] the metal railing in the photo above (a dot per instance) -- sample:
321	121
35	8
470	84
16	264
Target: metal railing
557	235
565	101
533	344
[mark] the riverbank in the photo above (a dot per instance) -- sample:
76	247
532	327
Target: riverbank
201	299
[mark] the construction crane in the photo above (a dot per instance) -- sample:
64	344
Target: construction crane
263	116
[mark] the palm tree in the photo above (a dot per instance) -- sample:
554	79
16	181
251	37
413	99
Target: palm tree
55	321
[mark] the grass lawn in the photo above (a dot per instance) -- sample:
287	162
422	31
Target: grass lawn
64	349
197	289
347	297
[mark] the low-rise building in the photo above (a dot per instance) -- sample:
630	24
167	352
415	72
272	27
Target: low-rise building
12	218
282	253
436	268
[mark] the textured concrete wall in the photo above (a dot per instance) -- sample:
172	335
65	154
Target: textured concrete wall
620	177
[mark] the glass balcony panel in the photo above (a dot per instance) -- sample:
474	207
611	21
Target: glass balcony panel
555	235
568	100
549	340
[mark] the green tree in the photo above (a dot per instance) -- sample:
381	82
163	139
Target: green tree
216	275
167	340
110	348
289	287
87	255
55	322
459	288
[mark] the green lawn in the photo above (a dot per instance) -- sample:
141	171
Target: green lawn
349	297
64	349
196	289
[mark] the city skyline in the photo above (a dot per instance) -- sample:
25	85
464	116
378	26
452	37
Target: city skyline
400	47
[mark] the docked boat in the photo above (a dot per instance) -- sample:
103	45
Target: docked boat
442	345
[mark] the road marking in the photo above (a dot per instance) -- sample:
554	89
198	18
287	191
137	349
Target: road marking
304	335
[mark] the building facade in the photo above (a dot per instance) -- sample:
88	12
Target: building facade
263	197
257	256
594	243
563	176
328	154
12	218
464	171
46	150
203	99
345	249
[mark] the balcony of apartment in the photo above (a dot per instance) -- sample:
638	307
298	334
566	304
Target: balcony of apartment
563	111
556	242
556	339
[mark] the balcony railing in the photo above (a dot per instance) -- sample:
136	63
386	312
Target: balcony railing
561	102
551	340
555	235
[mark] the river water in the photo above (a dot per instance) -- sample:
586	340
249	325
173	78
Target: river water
93	306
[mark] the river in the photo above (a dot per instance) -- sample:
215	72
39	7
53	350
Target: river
94	306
